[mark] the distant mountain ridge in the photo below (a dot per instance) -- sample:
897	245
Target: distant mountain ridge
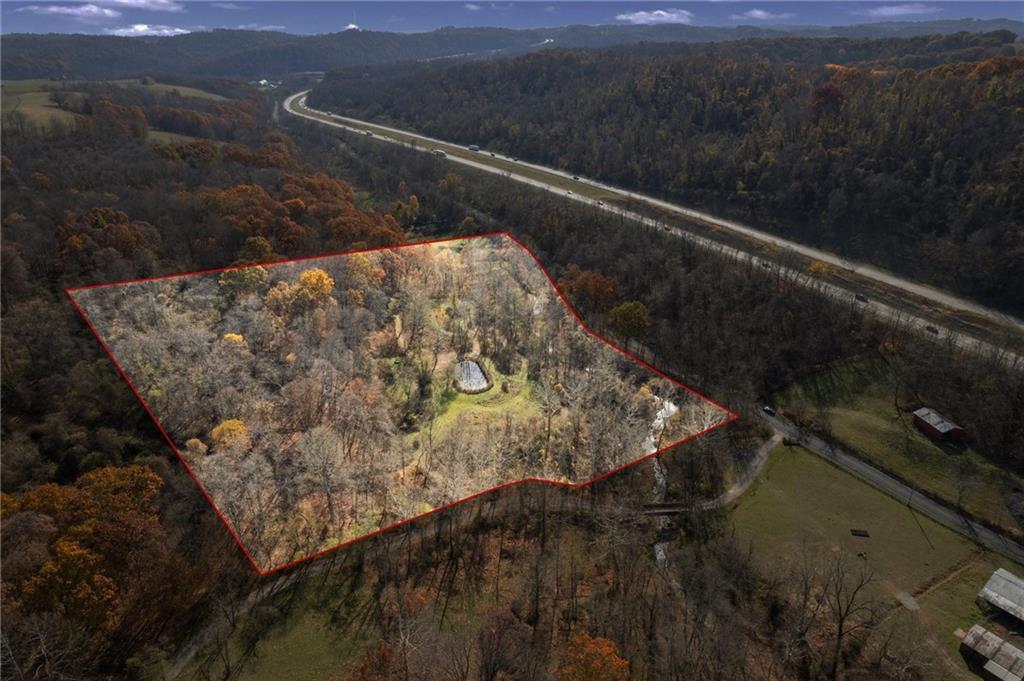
252	54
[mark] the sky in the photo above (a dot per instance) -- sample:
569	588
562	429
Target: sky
174	17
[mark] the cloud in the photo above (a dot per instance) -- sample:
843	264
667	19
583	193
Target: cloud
87	12
260	27
150	5
762	15
904	10
146	29
472	7
658	16
229	5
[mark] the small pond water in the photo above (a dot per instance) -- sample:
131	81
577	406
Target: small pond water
469	377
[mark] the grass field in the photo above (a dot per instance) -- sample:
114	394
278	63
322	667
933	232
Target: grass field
308	648
32	97
862	415
164	88
801	498
489	406
21	87
304	646
804	501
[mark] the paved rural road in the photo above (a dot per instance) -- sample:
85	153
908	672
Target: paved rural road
915	500
505	166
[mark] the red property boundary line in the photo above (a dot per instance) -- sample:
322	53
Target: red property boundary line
69	291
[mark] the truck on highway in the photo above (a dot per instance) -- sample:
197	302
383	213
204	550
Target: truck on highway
474	147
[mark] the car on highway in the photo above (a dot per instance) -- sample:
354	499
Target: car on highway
569	193
860	298
768	410
575	177
600	203
368	133
931	328
438	152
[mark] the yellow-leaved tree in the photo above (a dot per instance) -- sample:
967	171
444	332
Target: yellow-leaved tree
230	435
314	288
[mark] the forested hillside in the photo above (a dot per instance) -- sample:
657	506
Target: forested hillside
896	152
261	54
108	546
114	566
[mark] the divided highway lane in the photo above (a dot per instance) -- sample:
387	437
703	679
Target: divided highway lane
556	181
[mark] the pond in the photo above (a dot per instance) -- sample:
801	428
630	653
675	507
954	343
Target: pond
470	378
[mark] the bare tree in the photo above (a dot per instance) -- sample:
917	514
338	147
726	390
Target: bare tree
846	593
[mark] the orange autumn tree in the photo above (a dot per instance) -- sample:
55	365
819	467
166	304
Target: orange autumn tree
329	206
302	209
592	658
246	207
593	290
94	240
115	120
249	209
105	545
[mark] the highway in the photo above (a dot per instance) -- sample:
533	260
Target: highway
557	181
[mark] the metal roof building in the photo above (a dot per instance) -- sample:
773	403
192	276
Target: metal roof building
999	659
1005	590
936	425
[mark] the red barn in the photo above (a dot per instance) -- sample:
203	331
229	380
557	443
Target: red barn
936	426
